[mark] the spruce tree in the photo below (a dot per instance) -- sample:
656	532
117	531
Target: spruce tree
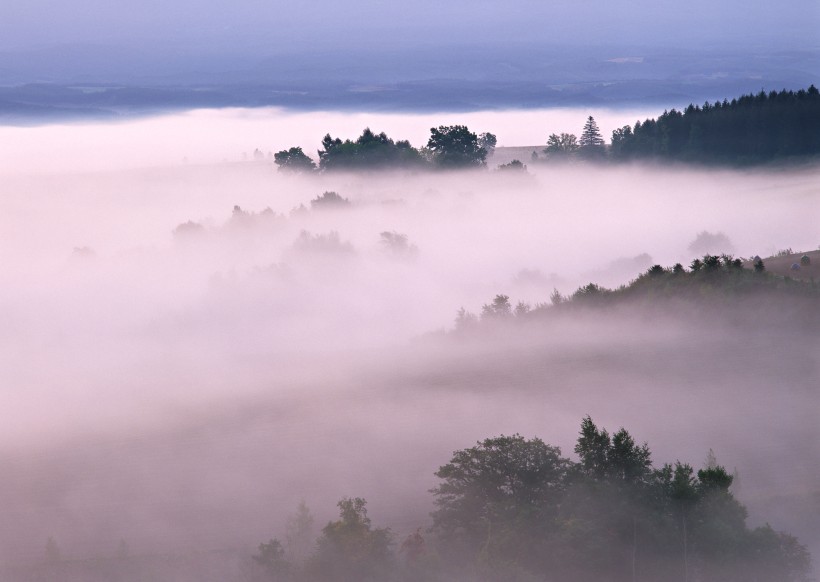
591	143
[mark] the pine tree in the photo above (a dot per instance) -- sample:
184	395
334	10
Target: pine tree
591	143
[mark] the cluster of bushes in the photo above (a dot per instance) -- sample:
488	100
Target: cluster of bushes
511	508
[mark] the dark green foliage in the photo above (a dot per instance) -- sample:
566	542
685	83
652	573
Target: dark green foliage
556	298
655	271
500	308
616	457
514	166
329	200
561	147
752	129
271	559
397	244
294	160
591	293
350	549
712	284
591	144
455	146
512	508
499	499
487	141
369	151
805	260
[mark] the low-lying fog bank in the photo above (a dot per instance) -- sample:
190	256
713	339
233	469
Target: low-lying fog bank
188	351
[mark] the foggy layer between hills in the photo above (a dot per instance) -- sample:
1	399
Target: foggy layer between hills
185	387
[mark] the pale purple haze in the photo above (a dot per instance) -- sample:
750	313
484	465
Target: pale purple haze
185	390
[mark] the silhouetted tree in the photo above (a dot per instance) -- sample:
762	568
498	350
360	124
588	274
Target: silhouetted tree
350	549
294	160
455	146
487	142
561	147
329	200
499	308
370	151
591	144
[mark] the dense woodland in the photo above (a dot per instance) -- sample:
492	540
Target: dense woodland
751	129
747	130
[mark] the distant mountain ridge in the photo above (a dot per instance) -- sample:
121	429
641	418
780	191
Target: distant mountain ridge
86	82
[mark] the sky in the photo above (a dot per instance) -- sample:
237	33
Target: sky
247	25
524	54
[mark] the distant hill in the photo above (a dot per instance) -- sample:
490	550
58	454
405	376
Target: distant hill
710	287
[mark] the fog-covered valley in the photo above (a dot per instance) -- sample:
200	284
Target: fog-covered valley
187	350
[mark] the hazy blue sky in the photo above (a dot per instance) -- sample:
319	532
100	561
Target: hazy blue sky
264	25
453	55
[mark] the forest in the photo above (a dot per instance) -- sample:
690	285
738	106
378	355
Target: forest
751	129
512	508
747	130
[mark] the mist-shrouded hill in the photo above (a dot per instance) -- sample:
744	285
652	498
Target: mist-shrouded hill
190	350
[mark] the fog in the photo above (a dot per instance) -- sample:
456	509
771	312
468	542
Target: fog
184	387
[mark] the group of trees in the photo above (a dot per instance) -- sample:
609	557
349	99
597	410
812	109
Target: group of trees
452	146
750	129
709	281
512	508
567	146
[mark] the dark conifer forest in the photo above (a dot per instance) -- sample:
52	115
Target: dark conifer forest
747	130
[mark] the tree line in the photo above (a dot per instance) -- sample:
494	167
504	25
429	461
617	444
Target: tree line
453	146
710	281
751	129
747	130
512	508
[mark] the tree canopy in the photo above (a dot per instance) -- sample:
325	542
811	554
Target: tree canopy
591	144
746	130
455	146
294	160
369	151
561	147
514	505
514	508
